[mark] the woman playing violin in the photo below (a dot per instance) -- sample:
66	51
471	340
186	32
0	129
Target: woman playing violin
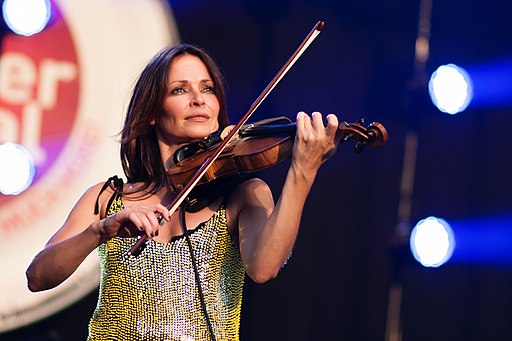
172	290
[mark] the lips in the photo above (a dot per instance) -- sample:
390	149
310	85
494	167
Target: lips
198	117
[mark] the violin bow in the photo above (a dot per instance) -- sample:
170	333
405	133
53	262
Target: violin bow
173	206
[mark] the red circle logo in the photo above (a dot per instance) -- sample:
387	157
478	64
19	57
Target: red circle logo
39	88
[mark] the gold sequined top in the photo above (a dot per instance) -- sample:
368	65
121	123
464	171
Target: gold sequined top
154	296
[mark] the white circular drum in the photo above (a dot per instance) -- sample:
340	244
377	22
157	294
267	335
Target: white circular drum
63	93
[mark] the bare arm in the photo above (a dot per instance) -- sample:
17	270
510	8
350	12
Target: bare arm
68	247
81	234
267	233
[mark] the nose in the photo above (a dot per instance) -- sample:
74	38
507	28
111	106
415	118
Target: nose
197	98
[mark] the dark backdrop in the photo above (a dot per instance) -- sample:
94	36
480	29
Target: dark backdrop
335	286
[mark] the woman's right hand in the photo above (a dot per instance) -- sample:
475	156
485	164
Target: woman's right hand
133	222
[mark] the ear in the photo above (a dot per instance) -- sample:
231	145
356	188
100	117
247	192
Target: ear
152	122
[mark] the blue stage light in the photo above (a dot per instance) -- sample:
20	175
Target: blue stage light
492	83
484	240
432	242
26	17
450	89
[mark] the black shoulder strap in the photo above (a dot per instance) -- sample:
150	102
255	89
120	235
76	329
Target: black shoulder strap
117	184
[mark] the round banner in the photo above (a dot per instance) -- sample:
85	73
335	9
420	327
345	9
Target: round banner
63	93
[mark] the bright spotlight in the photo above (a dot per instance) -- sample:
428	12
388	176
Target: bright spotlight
26	17
432	242
450	89
16	168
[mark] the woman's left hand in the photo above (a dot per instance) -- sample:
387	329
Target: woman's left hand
314	142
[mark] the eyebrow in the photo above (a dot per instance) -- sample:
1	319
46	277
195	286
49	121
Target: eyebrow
186	81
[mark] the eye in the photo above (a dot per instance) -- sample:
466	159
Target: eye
209	89
177	91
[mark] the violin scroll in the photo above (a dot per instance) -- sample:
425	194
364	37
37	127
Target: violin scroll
373	135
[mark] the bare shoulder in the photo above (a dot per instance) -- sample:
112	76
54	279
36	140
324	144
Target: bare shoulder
92	194
249	194
250	190
83	213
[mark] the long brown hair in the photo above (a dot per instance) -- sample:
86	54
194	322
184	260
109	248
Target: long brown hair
140	153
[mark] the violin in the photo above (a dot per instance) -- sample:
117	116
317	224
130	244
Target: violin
257	147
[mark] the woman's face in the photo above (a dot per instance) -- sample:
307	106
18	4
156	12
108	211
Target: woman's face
190	109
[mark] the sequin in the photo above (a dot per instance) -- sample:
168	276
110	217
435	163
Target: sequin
154	296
